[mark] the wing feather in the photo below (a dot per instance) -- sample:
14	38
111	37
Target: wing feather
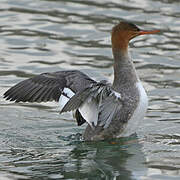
47	86
97	104
94	102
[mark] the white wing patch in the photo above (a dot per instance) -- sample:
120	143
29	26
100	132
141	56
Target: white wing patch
90	110
65	96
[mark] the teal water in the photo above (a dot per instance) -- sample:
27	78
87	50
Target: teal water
48	35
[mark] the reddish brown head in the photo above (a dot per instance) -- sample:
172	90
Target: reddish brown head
123	33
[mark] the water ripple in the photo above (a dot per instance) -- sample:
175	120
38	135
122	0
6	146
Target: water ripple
50	35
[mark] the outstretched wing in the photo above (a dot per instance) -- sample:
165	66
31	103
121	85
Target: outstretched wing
48	86
97	104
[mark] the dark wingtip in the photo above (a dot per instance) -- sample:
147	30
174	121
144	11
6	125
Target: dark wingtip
6	96
80	120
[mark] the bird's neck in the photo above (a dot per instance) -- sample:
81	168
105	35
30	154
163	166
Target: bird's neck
125	75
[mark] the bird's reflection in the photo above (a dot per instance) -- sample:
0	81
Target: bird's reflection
107	160
119	159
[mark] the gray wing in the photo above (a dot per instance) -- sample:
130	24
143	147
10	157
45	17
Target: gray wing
48	86
97	104
109	107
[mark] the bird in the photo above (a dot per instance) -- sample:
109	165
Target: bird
111	110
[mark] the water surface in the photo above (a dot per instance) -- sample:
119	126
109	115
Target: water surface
48	35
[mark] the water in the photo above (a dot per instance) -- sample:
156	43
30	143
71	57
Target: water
47	35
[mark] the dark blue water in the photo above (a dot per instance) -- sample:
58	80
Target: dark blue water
48	35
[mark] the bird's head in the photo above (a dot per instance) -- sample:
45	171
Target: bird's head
123	32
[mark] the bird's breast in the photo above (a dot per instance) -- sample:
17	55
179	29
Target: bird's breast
138	114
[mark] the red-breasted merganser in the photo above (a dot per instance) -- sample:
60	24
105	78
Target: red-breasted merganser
111	110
